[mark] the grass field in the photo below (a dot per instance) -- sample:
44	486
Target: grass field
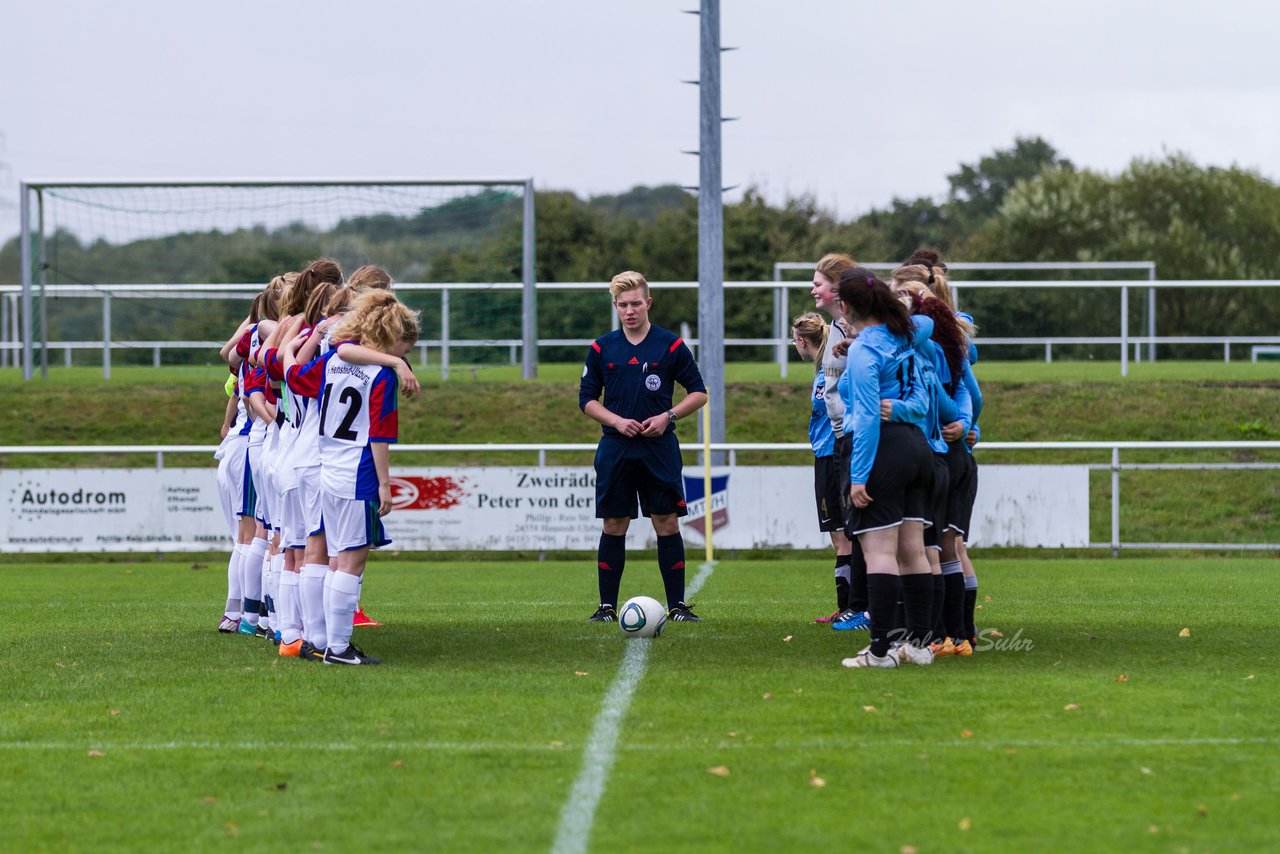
127	723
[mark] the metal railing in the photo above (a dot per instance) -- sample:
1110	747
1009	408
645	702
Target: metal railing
1115	467
11	344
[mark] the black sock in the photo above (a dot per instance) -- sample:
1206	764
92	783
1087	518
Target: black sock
936	624
858	597
671	562
953	611
611	557
917	598
970	603
844	573
899	618
883	592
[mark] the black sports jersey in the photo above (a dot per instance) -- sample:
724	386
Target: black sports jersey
638	380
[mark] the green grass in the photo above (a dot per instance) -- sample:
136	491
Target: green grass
470	736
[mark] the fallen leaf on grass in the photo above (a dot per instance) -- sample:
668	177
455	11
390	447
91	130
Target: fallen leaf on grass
871	710
1152	829
996	633
210	800
1202	811
1145	770
768	695
731	734
1011	752
966	733
1071	707
817	782
787	639
1247	678
1122	678
965	824
580	673
1185	633
96	754
907	849
718	771
987	598
233	829
115	712
557	744
280	787
397	763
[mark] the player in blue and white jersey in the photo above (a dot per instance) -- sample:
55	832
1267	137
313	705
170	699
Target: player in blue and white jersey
357	419
638	464
891	467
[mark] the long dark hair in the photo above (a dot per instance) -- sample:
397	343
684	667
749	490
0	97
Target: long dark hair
869	298
947	332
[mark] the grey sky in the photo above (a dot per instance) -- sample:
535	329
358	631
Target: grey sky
855	102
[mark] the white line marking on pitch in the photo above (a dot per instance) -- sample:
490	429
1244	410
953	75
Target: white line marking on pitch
579	810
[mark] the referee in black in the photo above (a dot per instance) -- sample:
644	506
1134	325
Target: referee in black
638	464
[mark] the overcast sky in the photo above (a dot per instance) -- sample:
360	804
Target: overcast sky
855	102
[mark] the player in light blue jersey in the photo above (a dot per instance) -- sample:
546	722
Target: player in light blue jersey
891	468
809	335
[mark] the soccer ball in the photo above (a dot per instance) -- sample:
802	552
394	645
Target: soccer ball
642	617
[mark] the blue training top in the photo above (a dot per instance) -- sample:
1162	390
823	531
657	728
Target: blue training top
881	366
943	407
821	437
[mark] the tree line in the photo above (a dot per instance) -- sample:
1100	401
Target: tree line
1026	202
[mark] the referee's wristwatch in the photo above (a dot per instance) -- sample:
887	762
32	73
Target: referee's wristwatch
671	413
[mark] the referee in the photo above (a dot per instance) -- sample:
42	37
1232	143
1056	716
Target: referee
638	465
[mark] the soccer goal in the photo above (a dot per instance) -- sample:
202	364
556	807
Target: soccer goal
187	254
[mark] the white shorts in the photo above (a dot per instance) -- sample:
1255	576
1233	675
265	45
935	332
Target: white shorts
235	486
309	492
293	534
261	485
352	523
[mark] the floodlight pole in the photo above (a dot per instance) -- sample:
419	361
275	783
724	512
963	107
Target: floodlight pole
711	227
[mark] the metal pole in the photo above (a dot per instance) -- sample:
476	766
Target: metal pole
28	356
780	322
1151	318
15	332
711	225
1115	502
106	336
44	299
4	332
1124	331
529	296
444	334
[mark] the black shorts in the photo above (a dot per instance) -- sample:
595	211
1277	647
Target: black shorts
826	491
938	496
655	484
842	456
963	490
900	480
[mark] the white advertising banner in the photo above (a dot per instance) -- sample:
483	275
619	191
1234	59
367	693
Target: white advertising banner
506	509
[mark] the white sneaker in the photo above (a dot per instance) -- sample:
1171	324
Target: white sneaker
867	659
921	655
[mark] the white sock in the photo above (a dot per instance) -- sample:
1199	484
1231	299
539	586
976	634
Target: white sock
232	611
251	580
288	612
268	621
344	590
277	570
313	616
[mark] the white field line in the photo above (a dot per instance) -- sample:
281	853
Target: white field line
734	744
579	811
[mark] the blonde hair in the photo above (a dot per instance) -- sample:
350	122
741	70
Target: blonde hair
339	302
628	281
378	320
293	300
834	264
314	311
933	280
369	277
811	327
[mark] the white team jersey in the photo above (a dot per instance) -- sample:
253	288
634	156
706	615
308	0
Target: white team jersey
357	406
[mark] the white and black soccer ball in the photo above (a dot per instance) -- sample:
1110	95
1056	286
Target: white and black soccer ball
642	617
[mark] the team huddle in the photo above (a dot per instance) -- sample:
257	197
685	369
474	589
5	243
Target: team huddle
894	418
303	468
304	464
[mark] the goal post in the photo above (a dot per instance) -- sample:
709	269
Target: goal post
96	233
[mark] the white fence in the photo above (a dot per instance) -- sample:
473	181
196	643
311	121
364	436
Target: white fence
1115	544
1128	343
